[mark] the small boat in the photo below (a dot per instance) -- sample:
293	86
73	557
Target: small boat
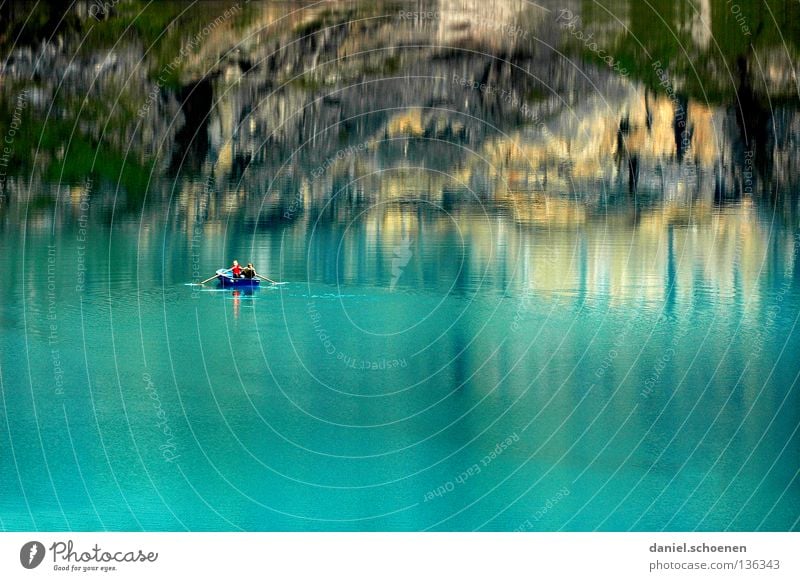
227	280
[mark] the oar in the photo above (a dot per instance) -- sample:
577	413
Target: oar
265	278
208	279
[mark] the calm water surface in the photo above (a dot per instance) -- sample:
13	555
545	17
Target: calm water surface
486	319
644	376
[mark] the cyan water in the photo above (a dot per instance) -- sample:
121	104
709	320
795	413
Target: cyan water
520	290
413	371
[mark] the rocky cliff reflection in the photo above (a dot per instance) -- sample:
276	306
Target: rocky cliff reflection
245	94
575	222
609	250
494	121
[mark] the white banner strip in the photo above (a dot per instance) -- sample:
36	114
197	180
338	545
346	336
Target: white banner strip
400	556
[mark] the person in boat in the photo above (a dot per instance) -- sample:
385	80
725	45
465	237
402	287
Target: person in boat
236	270
249	271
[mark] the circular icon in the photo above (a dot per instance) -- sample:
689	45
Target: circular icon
31	554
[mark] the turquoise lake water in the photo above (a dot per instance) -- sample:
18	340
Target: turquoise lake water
521	289
505	377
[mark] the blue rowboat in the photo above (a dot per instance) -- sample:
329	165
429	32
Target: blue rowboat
227	280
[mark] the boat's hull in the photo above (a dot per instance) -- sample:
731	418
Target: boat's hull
226	280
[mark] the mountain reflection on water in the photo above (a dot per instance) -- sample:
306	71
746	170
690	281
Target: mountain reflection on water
406	117
486	91
562	222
